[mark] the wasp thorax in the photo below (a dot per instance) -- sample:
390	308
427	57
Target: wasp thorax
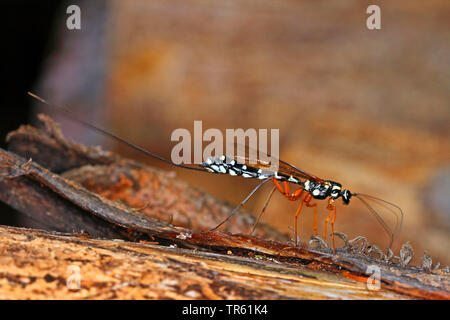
335	190
316	189
326	189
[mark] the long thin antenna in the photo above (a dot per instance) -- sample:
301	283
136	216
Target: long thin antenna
72	116
398	227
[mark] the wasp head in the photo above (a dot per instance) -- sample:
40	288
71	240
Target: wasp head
346	195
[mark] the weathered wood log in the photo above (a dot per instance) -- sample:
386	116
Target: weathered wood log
157	258
40	265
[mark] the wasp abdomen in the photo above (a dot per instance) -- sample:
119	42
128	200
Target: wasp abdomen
224	164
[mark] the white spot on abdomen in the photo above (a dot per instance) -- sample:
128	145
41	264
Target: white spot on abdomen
307	185
292	179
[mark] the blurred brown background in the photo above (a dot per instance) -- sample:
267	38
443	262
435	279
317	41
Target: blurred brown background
368	108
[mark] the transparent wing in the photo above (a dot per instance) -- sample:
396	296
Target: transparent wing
289	169
283	167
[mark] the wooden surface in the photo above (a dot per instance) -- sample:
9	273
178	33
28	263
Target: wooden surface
37	265
156	258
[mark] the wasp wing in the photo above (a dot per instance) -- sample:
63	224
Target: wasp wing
282	168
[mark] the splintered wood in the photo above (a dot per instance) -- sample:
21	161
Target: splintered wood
125	230
38	265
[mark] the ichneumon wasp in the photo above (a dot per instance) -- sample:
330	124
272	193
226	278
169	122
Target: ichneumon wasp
308	187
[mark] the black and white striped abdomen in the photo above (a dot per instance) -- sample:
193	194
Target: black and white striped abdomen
225	165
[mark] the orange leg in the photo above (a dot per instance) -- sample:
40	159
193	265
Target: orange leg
332	209
332	229
313	205
326	224
286	187
297	194
278	186
285	190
